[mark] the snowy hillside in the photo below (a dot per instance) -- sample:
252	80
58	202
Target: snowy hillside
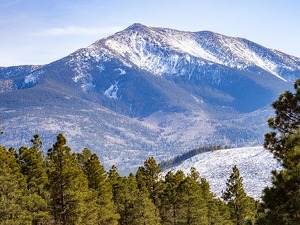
255	165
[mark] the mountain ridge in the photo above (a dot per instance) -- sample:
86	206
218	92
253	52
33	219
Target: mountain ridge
148	91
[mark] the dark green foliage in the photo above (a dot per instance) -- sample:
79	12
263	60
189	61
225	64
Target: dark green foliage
97	180
241	206
192	207
287	111
33	168
13	197
188	200
281	202
71	201
218	212
180	158
170	199
67	189
286	121
133	205
148	177
144	211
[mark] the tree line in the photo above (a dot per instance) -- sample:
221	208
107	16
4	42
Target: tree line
65	188
186	155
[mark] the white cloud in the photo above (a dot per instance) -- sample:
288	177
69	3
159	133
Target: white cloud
73	30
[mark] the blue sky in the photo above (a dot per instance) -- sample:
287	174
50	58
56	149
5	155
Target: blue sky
41	31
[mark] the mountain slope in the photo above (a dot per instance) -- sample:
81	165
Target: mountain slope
255	165
147	91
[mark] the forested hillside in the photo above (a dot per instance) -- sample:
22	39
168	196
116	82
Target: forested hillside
62	187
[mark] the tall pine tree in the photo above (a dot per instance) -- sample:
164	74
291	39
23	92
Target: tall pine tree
218	212
170	199
33	168
148	177
13	194
192	208
240	205
70	199
281	202
97	180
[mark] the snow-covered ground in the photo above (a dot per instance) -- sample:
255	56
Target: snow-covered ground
255	165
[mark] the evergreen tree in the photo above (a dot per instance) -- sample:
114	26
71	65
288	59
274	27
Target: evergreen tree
33	168
286	121
170	199
194	174
97	180
116	182
192	208
218	212
143	210
281	202
148	177
240	205
71	201
126	199
13	197
133	205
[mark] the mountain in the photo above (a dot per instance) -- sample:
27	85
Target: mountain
255	165
147	91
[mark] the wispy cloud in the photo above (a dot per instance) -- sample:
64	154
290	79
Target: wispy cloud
73	30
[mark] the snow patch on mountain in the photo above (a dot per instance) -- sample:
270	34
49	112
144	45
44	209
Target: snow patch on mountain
255	165
244	57
121	71
33	77
185	42
111	92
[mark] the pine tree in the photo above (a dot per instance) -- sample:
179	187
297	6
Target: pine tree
97	180
33	168
116	182
71	201
240	205
143	210
13	196
148	177
218	212
133	205
286	121
137	204
192	208
281	202
170	199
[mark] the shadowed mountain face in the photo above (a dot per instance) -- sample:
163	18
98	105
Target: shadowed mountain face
147	91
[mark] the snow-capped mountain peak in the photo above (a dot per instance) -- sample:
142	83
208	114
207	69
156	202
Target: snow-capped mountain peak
147	48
